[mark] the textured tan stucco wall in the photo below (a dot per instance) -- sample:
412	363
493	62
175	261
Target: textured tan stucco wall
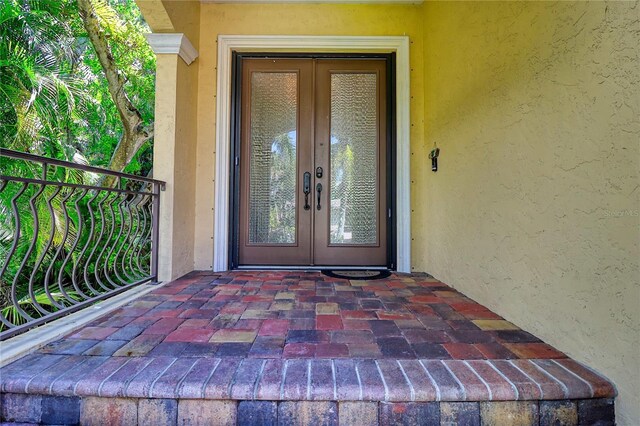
285	19
174	163
534	211
174	153
164	152
185	17
156	15
185	161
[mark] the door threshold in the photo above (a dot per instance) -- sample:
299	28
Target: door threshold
309	268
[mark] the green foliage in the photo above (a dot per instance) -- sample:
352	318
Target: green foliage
79	242
54	99
99	129
28	305
55	102
36	88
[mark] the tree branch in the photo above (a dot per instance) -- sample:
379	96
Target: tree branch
134	134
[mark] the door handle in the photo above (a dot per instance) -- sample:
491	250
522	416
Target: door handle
319	190
306	188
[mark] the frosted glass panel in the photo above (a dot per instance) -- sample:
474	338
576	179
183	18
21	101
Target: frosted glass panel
272	174
354	159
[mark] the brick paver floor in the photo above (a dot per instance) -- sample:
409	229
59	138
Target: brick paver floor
305	314
303	336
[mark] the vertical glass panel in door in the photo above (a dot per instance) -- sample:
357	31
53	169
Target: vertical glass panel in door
273	158
354	159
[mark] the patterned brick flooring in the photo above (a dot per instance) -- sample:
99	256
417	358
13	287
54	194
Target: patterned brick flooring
302	336
298	315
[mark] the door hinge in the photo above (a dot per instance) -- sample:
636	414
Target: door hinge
237	161
389	213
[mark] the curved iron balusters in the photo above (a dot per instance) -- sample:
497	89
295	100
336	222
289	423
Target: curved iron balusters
66	245
89	264
14	284
36	228
111	246
61	246
45	251
130	239
70	255
145	237
122	242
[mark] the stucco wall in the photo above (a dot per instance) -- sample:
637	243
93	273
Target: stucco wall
534	212
284	19
174	153
174	163
164	152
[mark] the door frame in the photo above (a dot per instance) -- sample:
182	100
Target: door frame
227	44
235	213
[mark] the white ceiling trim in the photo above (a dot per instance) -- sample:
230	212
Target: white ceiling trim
172	43
314	1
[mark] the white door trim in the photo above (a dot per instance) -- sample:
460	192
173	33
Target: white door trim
333	44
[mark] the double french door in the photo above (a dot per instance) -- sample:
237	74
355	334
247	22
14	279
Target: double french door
313	162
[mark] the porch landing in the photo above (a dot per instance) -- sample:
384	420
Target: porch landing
280	346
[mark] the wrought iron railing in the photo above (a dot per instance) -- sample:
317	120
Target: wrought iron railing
70	235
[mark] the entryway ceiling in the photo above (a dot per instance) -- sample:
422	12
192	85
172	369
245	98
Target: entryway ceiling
315	1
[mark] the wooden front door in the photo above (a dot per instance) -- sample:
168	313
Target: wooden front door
313	161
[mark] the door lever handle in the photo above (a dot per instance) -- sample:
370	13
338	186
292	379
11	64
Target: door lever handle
319	190
306	188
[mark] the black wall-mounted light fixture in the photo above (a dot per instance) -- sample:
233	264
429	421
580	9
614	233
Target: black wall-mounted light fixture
433	155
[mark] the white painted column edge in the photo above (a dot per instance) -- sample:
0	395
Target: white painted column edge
221	184
403	153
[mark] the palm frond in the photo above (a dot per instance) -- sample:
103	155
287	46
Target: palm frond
27	304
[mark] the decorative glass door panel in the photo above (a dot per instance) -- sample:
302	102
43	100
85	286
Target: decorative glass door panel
350	142
313	162
274	154
273	158
354	159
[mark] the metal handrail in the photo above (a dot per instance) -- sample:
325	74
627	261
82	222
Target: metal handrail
66	245
18	155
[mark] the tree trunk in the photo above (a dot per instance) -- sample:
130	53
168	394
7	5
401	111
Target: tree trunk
134	134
